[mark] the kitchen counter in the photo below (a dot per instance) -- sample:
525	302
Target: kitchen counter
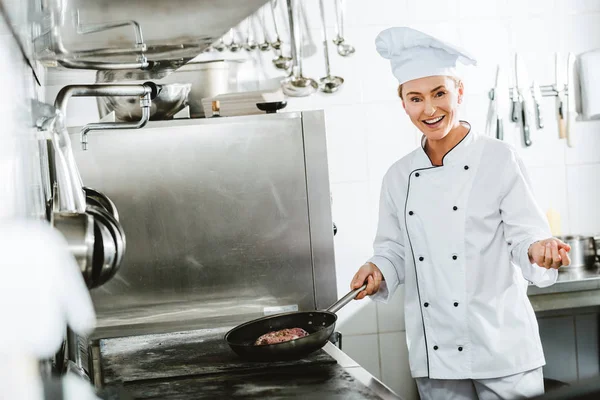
200	365
573	289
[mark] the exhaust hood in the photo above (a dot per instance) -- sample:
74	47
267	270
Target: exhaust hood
129	39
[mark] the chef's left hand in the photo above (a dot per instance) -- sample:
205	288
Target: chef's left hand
549	253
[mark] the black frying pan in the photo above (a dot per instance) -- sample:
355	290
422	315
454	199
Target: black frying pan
319	325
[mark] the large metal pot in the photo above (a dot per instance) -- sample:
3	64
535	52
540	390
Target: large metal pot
583	252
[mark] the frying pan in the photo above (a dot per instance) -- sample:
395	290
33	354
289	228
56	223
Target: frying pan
319	324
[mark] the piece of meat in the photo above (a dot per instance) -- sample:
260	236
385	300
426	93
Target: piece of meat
283	335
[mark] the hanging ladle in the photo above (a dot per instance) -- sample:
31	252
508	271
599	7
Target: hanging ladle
297	85
233	46
327	84
343	48
281	62
264	45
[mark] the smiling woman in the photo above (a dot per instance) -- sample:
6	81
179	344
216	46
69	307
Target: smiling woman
460	228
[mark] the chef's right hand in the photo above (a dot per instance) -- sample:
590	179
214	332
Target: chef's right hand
369	274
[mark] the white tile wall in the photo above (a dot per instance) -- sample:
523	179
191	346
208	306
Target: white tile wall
367	131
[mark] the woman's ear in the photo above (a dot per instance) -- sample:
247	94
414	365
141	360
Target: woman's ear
461	91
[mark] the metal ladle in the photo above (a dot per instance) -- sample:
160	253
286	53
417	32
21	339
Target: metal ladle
343	48
328	84
250	42
264	45
233	46
297	85
281	62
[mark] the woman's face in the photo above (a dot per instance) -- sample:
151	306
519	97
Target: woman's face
432	104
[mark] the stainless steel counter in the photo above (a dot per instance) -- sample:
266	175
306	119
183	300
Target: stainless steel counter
200	365
574	289
360	374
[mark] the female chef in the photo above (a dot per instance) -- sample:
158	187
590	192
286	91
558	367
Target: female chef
459	226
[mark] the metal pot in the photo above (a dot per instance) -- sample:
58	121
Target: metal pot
583	252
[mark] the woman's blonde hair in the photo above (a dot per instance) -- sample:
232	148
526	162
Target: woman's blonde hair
455	79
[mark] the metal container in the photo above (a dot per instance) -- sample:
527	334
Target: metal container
583	252
207	79
139	39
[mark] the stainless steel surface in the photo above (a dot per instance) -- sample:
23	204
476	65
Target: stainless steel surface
99	35
224	217
360	374
319	209
78	231
171	99
175	361
582	254
574	289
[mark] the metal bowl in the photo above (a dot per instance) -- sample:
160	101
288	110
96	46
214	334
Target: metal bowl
171	99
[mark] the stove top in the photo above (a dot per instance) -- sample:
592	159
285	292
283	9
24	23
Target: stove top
161	356
200	365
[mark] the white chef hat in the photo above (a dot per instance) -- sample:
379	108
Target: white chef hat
414	54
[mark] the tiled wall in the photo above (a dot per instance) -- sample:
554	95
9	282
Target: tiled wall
20	179
367	131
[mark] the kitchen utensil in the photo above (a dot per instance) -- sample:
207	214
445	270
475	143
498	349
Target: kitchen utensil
537	99
233	45
250	43
561	104
264	45
271	107
583	252
281	62
502	98
571	105
104	270
493	124
319	324
523	106
296	85
219	45
327	84
99	199
171	99
343	48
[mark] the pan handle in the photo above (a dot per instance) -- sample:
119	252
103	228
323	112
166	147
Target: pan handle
346	299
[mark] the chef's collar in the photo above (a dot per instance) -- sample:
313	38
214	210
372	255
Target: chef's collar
455	154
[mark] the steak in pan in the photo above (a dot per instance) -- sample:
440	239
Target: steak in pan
283	335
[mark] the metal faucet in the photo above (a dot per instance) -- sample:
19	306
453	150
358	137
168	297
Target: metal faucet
146	91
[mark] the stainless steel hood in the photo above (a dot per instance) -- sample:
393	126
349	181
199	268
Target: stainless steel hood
132	39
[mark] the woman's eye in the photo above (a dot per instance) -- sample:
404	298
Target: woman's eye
440	94
415	99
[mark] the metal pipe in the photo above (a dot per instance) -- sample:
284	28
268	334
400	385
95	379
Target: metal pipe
62	98
145	104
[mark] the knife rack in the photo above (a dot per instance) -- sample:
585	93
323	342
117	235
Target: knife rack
546	91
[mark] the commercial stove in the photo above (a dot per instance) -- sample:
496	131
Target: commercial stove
200	365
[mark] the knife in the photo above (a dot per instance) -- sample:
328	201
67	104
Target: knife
537	98
560	98
521	89
571	106
502	101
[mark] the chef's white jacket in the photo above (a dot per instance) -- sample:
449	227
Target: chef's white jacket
457	236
